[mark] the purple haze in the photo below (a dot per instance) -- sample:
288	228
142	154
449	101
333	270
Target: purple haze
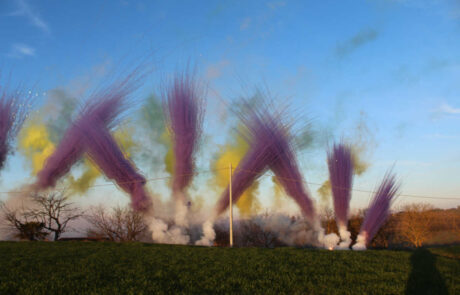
340	164
102	108
287	171
250	168
270	146
12	116
72	147
254	162
380	206
106	154
184	113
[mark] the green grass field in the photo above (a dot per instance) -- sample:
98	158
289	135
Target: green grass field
137	268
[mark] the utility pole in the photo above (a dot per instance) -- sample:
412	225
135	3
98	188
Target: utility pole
231	206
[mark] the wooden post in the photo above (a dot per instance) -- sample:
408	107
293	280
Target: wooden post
231	206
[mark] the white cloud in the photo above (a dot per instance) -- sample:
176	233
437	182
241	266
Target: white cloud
447	109
24	9
20	50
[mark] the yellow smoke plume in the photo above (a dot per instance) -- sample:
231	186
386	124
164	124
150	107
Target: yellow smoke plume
325	191
86	180
360	166
233	153
35	144
124	138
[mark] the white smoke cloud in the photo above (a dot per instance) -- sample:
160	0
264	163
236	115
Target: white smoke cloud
161	233
181	212
360	242
345	237
208	234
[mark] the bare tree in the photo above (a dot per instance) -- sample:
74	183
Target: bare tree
19	221
254	232
255	235
117	224
55	211
415	223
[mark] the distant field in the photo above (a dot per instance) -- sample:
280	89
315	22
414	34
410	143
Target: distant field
137	268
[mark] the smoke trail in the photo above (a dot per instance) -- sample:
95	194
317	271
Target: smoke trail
359	163
105	152
233	152
249	169
340	165
265	123
184	113
38	137
271	146
361	144
103	108
72	146
268	125
57	113
156	146
252	166
169	158
324	191
86	180
287	171
35	144
12	115
378	211
60	107
80	185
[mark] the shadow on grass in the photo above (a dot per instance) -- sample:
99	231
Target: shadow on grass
425	277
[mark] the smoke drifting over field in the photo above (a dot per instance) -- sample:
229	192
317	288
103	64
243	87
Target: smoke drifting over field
69	133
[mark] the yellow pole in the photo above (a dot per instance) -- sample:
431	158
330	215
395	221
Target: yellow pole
231	206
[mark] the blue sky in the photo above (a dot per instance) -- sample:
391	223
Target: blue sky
391	67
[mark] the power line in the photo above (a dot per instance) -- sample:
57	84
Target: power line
244	170
356	190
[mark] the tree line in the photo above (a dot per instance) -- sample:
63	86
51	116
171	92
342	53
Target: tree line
47	216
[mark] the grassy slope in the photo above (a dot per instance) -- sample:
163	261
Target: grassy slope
109	268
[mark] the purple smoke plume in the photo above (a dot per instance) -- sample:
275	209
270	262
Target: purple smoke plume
184	115
270	146
380	207
106	154
72	147
255	161
340	164
12	116
102	108
250	168
287	171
